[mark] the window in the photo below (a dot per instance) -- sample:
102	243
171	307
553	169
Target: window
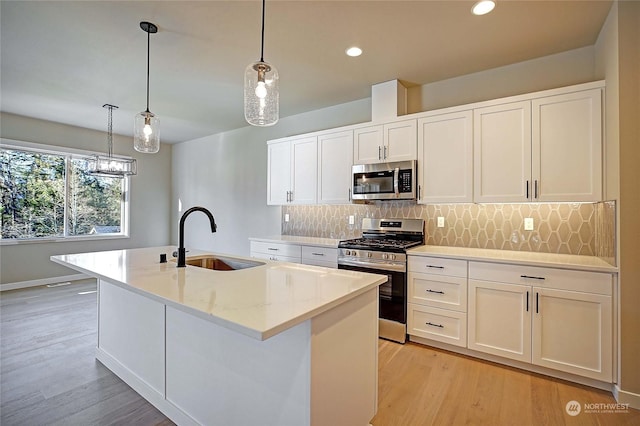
47	194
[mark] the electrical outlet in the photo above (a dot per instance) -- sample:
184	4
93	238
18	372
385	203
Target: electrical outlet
352	220
286	217
528	224
440	221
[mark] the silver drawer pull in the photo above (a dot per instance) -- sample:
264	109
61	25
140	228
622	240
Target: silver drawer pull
532	277
434	325
272	249
435	291
434	267
318	254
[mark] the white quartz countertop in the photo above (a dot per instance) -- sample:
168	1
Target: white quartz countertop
304	241
259	302
564	261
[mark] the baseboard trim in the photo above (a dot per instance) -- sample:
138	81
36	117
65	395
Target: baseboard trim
42	281
147	392
624	397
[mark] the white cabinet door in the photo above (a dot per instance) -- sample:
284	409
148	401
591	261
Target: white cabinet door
502	153
278	173
304	170
396	141
572	332
400	141
567	147
367	145
445	158
500	319
335	155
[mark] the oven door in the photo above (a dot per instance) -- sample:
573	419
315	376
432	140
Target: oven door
393	302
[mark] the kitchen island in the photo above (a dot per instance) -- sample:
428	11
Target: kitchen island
253	342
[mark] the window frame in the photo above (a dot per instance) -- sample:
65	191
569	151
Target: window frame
69	154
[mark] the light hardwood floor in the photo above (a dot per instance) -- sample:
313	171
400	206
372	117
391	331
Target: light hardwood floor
49	376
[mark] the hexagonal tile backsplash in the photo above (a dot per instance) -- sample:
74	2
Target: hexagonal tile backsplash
570	228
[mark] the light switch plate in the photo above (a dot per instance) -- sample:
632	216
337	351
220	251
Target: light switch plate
528	224
286	217
440	221
352	220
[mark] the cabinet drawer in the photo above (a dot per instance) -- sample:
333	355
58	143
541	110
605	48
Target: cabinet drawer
267	256
438	290
279	249
313	255
438	266
561	279
437	324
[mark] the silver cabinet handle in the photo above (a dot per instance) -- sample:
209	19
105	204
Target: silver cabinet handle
272	249
385	152
379	153
527	189
434	291
349	194
434	325
434	267
532	277
318	254
535	193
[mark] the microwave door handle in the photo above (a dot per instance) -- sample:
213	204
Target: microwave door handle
396	177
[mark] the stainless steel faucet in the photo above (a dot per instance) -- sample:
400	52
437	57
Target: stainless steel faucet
182	253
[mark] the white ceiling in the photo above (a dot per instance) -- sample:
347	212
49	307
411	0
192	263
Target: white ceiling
61	61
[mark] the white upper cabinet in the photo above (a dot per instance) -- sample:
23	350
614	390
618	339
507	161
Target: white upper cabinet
545	149
292	175
445	158
279	173
384	143
335	158
567	140
502	153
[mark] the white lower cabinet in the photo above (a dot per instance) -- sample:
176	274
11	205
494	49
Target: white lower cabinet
276	251
295	253
572	332
553	318
437	299
320	256
500	319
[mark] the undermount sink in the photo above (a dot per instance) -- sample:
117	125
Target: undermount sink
220	263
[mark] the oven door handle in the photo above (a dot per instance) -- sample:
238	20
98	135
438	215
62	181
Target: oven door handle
370	265
396	183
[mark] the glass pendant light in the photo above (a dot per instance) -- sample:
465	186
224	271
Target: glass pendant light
261	97
108	165
146	126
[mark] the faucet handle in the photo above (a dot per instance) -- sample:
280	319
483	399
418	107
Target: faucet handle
175	253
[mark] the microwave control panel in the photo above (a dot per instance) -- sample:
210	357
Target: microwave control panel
404	181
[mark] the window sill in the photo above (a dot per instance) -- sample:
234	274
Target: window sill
12	242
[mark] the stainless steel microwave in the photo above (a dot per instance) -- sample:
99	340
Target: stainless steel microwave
384	181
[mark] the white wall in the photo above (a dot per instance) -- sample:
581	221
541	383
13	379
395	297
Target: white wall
149	207
227	174
547	72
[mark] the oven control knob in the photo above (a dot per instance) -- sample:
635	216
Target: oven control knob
369	254
385	256
393	256
354	253
347	252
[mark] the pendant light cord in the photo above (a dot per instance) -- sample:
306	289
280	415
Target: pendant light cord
262	46
148	53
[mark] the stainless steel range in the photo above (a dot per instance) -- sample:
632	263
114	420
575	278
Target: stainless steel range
382	250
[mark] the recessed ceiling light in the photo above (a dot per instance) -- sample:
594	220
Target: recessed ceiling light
483	7
354	51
